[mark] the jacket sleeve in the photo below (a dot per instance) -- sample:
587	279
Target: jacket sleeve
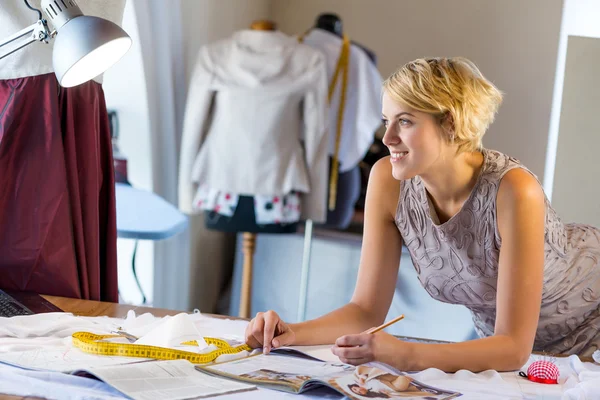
316	143
195	126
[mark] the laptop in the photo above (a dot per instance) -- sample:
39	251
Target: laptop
14	303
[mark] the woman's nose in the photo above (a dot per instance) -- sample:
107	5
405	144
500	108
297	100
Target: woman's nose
390	137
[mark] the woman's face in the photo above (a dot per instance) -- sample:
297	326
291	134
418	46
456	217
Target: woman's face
359	390
415	139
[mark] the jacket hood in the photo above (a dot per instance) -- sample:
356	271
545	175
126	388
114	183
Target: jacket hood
253	58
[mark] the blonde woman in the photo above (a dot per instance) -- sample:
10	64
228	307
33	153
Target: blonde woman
479	230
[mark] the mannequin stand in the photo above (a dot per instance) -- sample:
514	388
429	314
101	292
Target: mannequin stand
248	246
249	238
244	220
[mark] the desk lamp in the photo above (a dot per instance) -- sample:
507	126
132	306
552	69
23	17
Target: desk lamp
84	47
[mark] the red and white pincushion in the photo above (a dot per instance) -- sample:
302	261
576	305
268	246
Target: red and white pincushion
542	372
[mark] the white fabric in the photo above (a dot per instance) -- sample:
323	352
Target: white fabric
252	98
43	341
172	332
596	356
577	381
48	330
362	115
584	383
488	385
36	59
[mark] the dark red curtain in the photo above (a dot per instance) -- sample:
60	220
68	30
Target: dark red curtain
57	196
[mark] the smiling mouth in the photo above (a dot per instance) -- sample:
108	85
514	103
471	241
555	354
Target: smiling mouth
398	155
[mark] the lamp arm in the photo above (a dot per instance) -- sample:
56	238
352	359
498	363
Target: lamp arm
37	32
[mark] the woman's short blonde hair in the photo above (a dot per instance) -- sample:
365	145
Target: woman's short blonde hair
447	87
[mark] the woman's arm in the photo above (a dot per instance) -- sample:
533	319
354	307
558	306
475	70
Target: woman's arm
378	270
520	216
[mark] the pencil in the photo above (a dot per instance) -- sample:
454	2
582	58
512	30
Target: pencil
380	327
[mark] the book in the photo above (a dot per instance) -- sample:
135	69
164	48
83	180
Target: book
293	372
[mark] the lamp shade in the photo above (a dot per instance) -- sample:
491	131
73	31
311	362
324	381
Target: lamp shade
85	47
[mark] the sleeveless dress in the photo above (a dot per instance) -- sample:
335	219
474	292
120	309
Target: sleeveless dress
457	261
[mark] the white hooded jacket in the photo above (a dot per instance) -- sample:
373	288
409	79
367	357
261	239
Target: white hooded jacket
256	121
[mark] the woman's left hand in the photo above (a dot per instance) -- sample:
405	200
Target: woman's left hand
365	347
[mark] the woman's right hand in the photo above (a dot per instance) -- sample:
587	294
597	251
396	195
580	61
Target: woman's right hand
267	330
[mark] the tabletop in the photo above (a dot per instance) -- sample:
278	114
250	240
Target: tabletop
92	308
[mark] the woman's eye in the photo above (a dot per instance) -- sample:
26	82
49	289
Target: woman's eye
404	122
384	122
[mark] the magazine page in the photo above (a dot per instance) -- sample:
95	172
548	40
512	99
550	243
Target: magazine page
280	372
165	380
316	352
319	352
372	383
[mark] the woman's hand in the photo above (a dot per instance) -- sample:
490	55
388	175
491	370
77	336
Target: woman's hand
365	347
267	330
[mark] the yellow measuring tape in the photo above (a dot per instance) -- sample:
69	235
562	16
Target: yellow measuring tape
343	65
93	344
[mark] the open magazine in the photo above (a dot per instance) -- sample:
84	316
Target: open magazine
298	374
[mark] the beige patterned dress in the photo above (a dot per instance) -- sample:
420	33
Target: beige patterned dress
457	261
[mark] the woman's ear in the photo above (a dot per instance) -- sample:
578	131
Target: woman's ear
447	124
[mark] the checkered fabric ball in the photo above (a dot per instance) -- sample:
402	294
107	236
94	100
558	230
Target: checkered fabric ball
543	372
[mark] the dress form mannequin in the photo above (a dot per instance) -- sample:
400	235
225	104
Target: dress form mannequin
270	176
349	182
243	220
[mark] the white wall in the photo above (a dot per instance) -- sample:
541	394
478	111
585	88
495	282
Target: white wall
514	42
580	18
576	189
